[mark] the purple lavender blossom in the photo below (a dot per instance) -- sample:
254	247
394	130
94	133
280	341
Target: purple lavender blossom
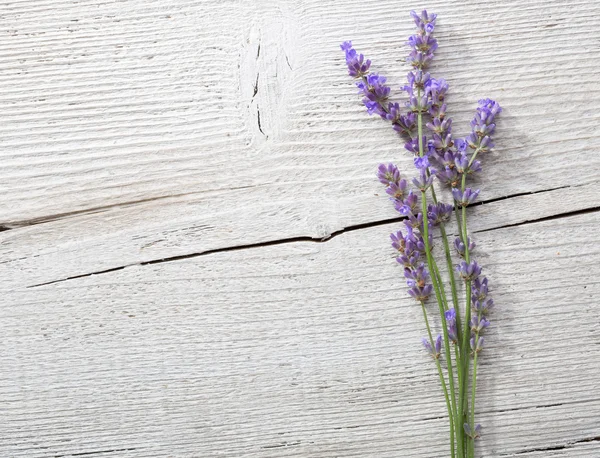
439	213
450	316
483	126
414	221
398	191
460	246
405	124
476	431
423	181
398	242
357	66
479	324
470	271
388	174
421	294
436	349
413	145
479	288
476	344
448	175
375	92
412	202
421	162
423	44
416	277
465	198
483	306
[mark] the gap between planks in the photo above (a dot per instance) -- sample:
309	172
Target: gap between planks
334	234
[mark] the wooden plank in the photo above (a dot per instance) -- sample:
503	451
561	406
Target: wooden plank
135	127
301	349
121	237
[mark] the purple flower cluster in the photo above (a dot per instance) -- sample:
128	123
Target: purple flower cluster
437	155
411	245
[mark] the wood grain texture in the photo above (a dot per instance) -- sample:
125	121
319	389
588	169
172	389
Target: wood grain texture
302	349
137	133
131	131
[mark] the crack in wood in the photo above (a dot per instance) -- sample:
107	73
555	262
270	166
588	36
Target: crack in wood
95	452
545	218
566	446
321	239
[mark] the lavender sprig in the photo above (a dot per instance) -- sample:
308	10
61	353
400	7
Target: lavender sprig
437	156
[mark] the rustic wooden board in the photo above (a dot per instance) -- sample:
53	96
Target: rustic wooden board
130	130
143	141
300	349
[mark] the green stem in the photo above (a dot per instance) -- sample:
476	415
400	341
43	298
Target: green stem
442	380
463	397
473	388
434	275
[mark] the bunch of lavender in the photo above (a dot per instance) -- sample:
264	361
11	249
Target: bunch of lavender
450	161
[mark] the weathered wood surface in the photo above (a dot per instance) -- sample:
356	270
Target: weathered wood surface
143	140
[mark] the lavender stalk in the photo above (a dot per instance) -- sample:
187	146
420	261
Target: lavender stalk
439	157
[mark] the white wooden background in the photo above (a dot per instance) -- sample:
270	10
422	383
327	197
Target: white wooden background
194	259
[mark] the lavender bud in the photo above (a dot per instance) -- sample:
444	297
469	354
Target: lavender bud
476	344
416	277
397	190
434	351
463	199
388	174
357	66
448	176
468	272
460	246
479	324
483	307
479	288
423	181
472	434
450	316
420	294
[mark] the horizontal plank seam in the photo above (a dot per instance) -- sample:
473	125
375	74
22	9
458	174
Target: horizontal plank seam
568	445
11	225
545	218
312	239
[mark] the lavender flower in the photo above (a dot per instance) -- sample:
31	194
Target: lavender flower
375	93
388	174
476	344
439	213
472	434
449	175
398	242
398	191
416	277
482	125
414	221
465	198
423	181
479	288
479	324
436	349
437	155
421	294
460	246
483	307
468	272
423	44
357	66
450	316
